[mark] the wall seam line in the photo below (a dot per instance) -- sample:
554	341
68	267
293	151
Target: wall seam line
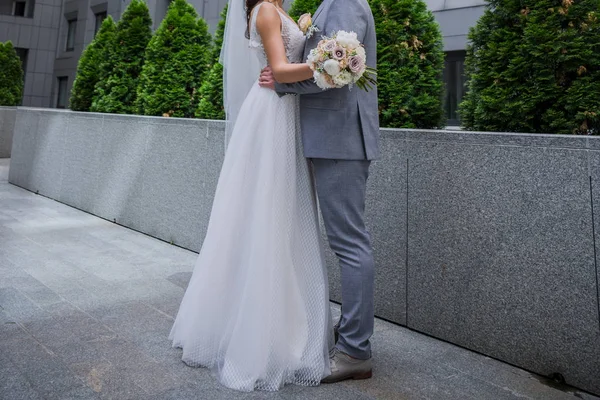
595	255
406	249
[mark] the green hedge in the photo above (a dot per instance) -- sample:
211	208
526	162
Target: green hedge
534	66
117	92
211	91
410	65
176	72
91	64
177	59
11	76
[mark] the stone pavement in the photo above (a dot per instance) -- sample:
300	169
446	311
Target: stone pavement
86	307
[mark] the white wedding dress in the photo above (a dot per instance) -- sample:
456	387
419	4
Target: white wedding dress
256	310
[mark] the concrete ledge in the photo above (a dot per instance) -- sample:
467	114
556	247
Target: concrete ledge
484	240
155	175
7	127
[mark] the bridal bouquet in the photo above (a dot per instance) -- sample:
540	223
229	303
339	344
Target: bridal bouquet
339	61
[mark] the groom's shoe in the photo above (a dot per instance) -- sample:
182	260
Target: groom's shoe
344	367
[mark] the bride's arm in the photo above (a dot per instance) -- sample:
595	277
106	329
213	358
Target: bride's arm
268	24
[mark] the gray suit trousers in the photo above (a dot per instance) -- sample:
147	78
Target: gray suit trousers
341	190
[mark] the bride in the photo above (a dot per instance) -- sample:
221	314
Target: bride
256	310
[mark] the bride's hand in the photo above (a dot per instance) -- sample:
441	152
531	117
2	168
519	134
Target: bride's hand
266	79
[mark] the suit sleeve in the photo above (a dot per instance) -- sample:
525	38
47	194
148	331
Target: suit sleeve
340	17
305	87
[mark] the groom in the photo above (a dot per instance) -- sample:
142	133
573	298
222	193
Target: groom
340	133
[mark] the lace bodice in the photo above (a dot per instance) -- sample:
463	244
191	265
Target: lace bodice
293	39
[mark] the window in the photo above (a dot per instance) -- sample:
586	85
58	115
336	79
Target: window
61	98
100	17
71	30
454	78
23	55
19	8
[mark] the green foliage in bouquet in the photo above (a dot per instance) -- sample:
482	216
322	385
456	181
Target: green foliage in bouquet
534	66
116	92
11	76
410	64
300	7
211	91
177	60
91	64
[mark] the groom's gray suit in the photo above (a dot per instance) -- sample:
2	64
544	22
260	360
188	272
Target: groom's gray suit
340	131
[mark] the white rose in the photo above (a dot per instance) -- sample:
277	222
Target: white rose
332	67
360	51
348	39
356	77
321	81
343	79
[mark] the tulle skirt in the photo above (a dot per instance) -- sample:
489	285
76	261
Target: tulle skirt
256	310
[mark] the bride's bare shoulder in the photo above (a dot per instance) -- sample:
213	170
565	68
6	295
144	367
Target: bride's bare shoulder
270	9
268	17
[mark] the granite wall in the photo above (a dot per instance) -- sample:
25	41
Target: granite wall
484	240
7	126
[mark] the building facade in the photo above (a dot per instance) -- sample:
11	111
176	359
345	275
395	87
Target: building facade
51	34
33	27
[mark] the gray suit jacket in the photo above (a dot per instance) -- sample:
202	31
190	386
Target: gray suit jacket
339	124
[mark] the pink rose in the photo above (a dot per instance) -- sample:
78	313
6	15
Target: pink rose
329	46
356	64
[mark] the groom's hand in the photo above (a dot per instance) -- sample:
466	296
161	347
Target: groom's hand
266	79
